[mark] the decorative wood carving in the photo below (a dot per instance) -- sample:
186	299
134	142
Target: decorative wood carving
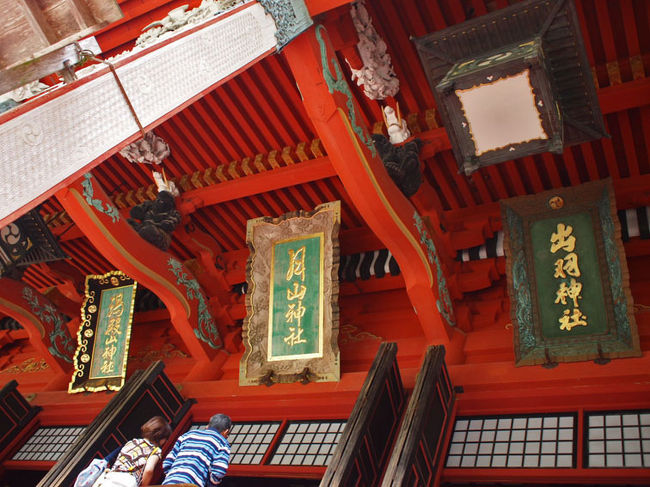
45	324
37	144
158	271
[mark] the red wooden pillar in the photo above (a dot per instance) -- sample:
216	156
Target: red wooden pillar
336	117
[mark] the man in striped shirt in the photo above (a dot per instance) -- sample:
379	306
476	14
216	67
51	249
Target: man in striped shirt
200	457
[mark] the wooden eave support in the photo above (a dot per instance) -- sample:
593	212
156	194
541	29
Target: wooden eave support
44	323
90	208
391	216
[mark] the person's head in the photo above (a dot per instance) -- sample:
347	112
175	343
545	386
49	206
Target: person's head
220	423
156	430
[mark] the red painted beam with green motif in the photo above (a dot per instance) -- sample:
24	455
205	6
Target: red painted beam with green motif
43	322
90	208
336	117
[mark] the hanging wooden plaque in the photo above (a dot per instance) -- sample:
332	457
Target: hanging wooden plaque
567	277
104	334
291	328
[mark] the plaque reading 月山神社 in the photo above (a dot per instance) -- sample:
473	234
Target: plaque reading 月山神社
291	328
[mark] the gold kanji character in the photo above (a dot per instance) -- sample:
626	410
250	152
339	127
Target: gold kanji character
116	307
572	291
562	238
296	311
295	337
569	320
107	367
109	352
571	264
110	340
113	327
298	293
567	265
296	263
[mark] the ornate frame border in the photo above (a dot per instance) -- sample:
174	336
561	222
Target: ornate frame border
254	367
621	338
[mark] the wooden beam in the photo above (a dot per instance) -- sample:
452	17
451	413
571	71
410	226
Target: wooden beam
501	387
633	94
89	207
264	182
300	173
332	108
630	193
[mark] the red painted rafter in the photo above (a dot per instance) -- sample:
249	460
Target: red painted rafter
196	117
216	122
201	156
182	152
602	11
248	131
644	113
248	89
271	77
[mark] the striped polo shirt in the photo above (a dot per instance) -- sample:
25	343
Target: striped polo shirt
198	457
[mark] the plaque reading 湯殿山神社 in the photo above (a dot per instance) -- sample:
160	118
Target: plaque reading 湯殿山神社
567	277
291	328
103	337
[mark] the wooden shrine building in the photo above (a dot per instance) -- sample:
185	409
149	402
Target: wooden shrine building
399	242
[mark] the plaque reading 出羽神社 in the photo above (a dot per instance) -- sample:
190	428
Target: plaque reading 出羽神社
291	328
567	277
103	337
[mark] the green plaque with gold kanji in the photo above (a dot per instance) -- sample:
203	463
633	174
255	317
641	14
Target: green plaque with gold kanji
291	328
567	277
104	334
296	302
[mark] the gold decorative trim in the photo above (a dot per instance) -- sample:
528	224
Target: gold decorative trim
27	365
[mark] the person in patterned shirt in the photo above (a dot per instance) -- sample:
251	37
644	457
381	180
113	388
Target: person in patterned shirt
137	459
200	457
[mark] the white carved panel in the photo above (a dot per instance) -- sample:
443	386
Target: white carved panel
43	146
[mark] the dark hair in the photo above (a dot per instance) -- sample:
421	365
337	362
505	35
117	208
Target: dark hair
156	430
220	423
